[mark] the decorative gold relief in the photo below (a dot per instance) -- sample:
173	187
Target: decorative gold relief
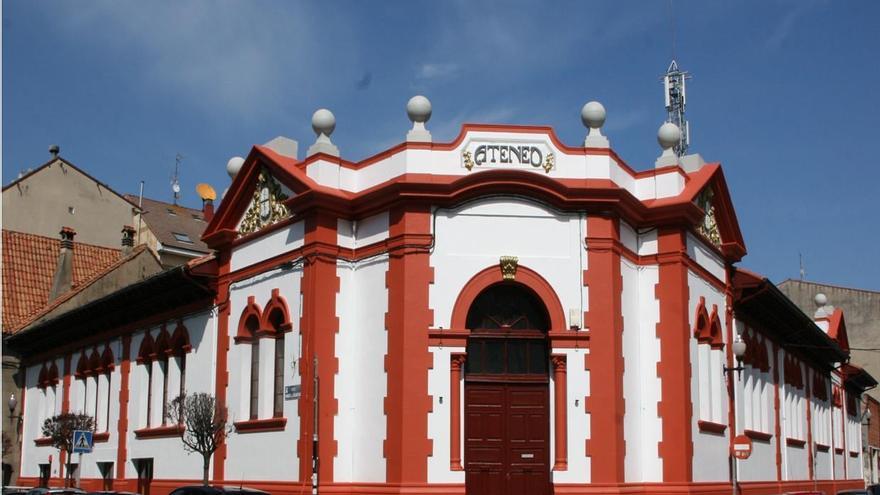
508	267
267	205
468	160
708	228
549	162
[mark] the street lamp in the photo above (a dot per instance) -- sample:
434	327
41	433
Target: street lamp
13	403
739	351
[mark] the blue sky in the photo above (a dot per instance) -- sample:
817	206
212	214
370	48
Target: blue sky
784	94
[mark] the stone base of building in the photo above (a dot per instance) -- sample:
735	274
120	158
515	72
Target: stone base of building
165	486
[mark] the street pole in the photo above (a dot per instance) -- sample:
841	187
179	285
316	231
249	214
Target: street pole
315	458
79	469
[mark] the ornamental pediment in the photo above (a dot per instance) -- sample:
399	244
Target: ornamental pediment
266	205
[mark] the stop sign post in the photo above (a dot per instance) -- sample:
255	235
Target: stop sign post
742	447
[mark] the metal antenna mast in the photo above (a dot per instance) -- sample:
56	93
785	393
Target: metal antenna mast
675	98
175	182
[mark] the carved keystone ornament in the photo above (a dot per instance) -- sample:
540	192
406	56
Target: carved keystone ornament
508	266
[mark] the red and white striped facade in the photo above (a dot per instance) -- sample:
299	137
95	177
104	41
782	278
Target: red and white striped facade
372	268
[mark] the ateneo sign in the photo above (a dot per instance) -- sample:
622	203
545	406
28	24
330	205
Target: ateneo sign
504	155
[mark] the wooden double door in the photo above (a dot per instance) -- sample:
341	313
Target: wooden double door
507	438
506	394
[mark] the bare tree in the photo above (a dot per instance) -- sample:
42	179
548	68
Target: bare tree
204	422
60	429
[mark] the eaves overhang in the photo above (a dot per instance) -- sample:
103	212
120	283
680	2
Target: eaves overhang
759	302
161	293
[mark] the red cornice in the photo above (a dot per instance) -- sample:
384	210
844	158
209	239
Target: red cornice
258	425
160	431
593	195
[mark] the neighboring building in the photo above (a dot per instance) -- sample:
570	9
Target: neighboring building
61	228
501	314
30	264
862	309
58	194
174	232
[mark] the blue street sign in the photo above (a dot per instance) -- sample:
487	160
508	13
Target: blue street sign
82	442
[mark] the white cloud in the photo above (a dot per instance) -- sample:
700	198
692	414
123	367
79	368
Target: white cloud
436	71
787	25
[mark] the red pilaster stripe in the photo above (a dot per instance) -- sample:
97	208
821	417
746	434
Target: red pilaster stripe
809	390
776	415
674	369
457	361
222	372
65	406
319	325
122	424
560	404
407	403
605	323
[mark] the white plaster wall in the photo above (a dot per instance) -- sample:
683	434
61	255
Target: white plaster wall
439	420
475	236
169	459
283	464
266	246
705	257
854	444
360	233
449	162
641	386
578	429
710	461
361	382
34	398
796	464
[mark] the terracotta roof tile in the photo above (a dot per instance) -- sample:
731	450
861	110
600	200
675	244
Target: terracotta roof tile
28	267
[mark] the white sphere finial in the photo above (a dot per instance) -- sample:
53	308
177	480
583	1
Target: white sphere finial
323	122
593	115
234	165
668	135
418	108
820	300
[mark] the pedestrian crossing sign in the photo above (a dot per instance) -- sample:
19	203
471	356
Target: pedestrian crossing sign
82	442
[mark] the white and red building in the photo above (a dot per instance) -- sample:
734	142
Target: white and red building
503	313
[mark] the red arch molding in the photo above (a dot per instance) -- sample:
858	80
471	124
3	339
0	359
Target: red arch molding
524	276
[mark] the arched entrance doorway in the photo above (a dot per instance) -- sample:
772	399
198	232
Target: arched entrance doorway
507	408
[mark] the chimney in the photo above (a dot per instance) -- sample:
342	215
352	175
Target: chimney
208	209
63	279
127	240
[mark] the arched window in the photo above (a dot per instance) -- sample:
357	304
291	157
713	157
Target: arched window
102	421
252	323
508	325
276	318
707	329
709	362
146	355
180	346
163	351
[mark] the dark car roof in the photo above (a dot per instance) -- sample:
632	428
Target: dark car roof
217	490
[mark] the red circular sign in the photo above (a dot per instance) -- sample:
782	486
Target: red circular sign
742	447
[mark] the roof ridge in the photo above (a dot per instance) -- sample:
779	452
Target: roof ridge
71	165
165	203
59	240
835	286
